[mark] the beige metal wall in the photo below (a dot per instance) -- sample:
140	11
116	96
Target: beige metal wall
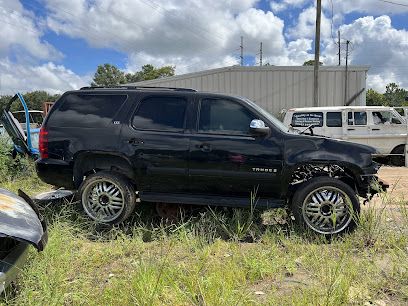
275	87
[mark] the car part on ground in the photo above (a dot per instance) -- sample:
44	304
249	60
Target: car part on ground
20	225
107	197
54	195
182	146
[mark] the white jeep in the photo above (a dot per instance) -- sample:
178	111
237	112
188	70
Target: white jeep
378	126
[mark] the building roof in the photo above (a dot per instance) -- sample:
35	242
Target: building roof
250	69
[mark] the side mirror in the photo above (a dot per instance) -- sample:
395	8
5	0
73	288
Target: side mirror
258	127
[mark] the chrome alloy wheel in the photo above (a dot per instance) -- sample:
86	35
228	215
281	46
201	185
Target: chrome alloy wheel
103	201
327	210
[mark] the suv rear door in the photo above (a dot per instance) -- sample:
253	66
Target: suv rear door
225	159
157	144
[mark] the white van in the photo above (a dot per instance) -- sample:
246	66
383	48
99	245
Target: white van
378	126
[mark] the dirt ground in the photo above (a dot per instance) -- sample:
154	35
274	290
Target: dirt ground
397	177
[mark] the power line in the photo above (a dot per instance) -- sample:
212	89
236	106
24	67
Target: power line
395	3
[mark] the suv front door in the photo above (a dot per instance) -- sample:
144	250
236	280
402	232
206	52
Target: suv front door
225	159
157	144
357	129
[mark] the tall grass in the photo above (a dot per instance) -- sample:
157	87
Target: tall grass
18	172
214	257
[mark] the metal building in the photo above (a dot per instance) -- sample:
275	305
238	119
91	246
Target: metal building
276	87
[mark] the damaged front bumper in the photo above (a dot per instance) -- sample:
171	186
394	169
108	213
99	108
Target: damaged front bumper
370	184
20	225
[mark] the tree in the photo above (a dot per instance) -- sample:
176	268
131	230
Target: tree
34	100
149	72
395	95
108	75
311	63
375	98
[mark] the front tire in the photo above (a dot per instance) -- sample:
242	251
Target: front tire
107	197
326	206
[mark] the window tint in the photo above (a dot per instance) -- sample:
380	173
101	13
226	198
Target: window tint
85	110
306	119
333	119
224	117
160	113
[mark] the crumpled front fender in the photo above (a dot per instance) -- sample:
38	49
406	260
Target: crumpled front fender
20	219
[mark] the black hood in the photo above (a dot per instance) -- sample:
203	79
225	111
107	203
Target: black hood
301	148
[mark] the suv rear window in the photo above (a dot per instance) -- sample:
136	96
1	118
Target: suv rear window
160	113
333	119
86	110
306	119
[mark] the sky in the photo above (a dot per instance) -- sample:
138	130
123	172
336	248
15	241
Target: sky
56	45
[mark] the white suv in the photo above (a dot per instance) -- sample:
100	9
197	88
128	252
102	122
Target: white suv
378	126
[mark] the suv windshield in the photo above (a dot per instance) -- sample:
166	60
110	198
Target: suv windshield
275	121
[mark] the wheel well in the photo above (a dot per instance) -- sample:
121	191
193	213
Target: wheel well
305	172
397	147
88	163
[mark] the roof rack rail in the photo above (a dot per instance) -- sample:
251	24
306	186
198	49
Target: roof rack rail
138	87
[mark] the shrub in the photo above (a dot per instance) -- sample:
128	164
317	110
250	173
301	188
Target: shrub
12	168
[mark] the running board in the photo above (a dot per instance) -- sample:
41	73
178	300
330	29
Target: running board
209	200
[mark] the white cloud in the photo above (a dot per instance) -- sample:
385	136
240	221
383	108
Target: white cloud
373	7
194	35
188	34
279	6
21	52
20	33
306	25
49	77
377	43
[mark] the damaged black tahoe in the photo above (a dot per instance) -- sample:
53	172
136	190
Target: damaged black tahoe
118	146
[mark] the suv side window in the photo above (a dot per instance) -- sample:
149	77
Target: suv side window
160	113
222	116
360	118
333	119
87	110
385	117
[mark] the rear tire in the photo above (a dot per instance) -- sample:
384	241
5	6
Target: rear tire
326	206
398	160
107	197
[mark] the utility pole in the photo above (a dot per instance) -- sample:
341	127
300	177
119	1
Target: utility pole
339	48
317	54
346	76
242	51
260	55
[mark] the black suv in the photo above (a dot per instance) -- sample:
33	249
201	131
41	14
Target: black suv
118	146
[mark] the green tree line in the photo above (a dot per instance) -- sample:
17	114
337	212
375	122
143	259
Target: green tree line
394	96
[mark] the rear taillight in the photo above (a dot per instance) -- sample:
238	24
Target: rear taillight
43	143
